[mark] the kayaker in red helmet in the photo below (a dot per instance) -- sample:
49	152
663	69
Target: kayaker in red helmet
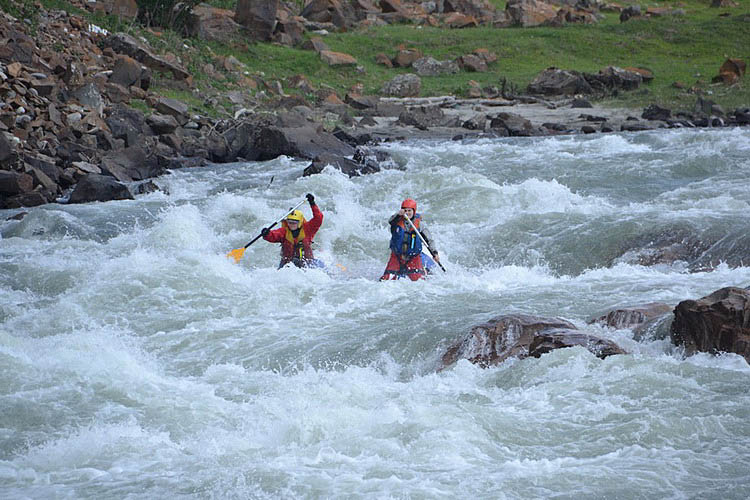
296	235
406	246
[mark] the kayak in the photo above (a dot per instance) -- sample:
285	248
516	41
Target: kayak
428	264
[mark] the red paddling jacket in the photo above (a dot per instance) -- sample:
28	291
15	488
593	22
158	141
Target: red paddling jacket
297	249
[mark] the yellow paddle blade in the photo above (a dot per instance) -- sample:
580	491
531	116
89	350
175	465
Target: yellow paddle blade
343	268
236	254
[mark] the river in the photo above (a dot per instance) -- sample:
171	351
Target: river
137	361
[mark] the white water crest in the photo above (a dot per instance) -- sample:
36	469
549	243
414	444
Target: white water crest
138	361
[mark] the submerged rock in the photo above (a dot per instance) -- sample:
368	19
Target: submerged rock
646	320
521	336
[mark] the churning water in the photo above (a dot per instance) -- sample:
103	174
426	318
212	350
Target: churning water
137	361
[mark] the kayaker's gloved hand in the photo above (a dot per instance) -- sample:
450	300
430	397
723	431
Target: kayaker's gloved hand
264	231
310	199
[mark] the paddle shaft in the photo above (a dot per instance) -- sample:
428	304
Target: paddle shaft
277	221
423	241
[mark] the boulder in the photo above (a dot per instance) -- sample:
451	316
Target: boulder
645	320
337	12
97	187
345	165
422	117
162	124
408	85
731	71
554	81
656	112
129	164
560	338
212	23
482	10
258	16
126	72
719	322
7	151
123	43
13	183
613	77
332	58
472	63
173	107
521	336
512	125
301	142
428	66
406	57
528	13
128	124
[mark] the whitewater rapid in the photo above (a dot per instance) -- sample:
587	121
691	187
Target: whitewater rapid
137	361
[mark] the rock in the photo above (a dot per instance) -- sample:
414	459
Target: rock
554	81
630	12
613	77
173	107
301	142
7	151
581	103
162	124
408	85
345	165
656	112
512	125
361	102
422	117
126	72
730	72
646	320
428	66
211	23
339	13
89	96
482	10
406	57
128	124
126	44
502	337
476	122
13	183
258	16
472	63
132	163
528	13
315	43
337	58
560	338
719	322
29	199
96	187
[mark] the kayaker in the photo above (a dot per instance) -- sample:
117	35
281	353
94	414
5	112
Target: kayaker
406	246
296	236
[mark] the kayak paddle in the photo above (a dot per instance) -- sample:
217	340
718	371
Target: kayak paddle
237	253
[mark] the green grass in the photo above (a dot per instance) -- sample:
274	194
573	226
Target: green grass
688	49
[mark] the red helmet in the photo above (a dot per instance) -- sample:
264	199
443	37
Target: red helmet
409	203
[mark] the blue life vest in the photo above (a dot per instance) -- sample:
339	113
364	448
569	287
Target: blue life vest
405	241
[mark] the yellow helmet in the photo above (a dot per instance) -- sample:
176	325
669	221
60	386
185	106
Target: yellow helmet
296	215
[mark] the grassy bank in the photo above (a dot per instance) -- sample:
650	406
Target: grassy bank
687	48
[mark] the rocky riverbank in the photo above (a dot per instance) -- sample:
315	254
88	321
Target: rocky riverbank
71	132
